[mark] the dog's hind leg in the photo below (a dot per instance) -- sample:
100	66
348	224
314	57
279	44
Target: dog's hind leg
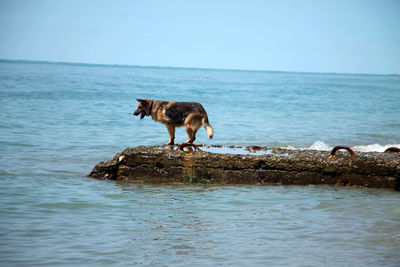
171	132
191	134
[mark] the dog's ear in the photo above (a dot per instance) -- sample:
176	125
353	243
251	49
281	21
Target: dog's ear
144	102
138	99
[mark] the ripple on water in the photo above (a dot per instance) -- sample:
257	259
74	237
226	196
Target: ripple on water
101	222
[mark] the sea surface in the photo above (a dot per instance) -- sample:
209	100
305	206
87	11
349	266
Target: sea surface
58	120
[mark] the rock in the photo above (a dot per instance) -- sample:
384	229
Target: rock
236	165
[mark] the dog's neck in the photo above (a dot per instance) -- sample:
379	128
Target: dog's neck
151	108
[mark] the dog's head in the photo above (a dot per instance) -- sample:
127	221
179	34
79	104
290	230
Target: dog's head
143	108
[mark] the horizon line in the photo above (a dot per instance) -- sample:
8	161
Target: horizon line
177	67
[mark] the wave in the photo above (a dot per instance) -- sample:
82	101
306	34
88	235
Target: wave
321	146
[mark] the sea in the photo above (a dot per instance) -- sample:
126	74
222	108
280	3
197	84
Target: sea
58	120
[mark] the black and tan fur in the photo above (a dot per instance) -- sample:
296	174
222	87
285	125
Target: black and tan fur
192	115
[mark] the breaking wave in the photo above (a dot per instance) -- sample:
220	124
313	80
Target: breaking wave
321	146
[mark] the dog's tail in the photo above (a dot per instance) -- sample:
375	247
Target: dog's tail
207	126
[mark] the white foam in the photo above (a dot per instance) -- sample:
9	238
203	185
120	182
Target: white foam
374	147
320	146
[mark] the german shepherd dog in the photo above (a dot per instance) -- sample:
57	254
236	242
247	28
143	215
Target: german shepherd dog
192	115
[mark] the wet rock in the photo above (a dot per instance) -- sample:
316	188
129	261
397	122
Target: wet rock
159	164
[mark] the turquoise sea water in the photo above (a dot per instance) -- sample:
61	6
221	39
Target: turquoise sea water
58	120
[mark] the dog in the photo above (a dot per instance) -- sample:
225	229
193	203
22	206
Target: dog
192	115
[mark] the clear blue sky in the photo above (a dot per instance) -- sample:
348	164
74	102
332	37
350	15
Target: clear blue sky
320	36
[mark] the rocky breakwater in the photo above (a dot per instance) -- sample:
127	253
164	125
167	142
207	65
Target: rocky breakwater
253	165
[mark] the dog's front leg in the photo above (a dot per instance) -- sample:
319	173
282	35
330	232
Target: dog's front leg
171	131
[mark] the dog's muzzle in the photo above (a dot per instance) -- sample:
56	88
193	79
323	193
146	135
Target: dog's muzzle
142	114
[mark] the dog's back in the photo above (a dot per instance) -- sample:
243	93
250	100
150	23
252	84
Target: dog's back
192	115
178	112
